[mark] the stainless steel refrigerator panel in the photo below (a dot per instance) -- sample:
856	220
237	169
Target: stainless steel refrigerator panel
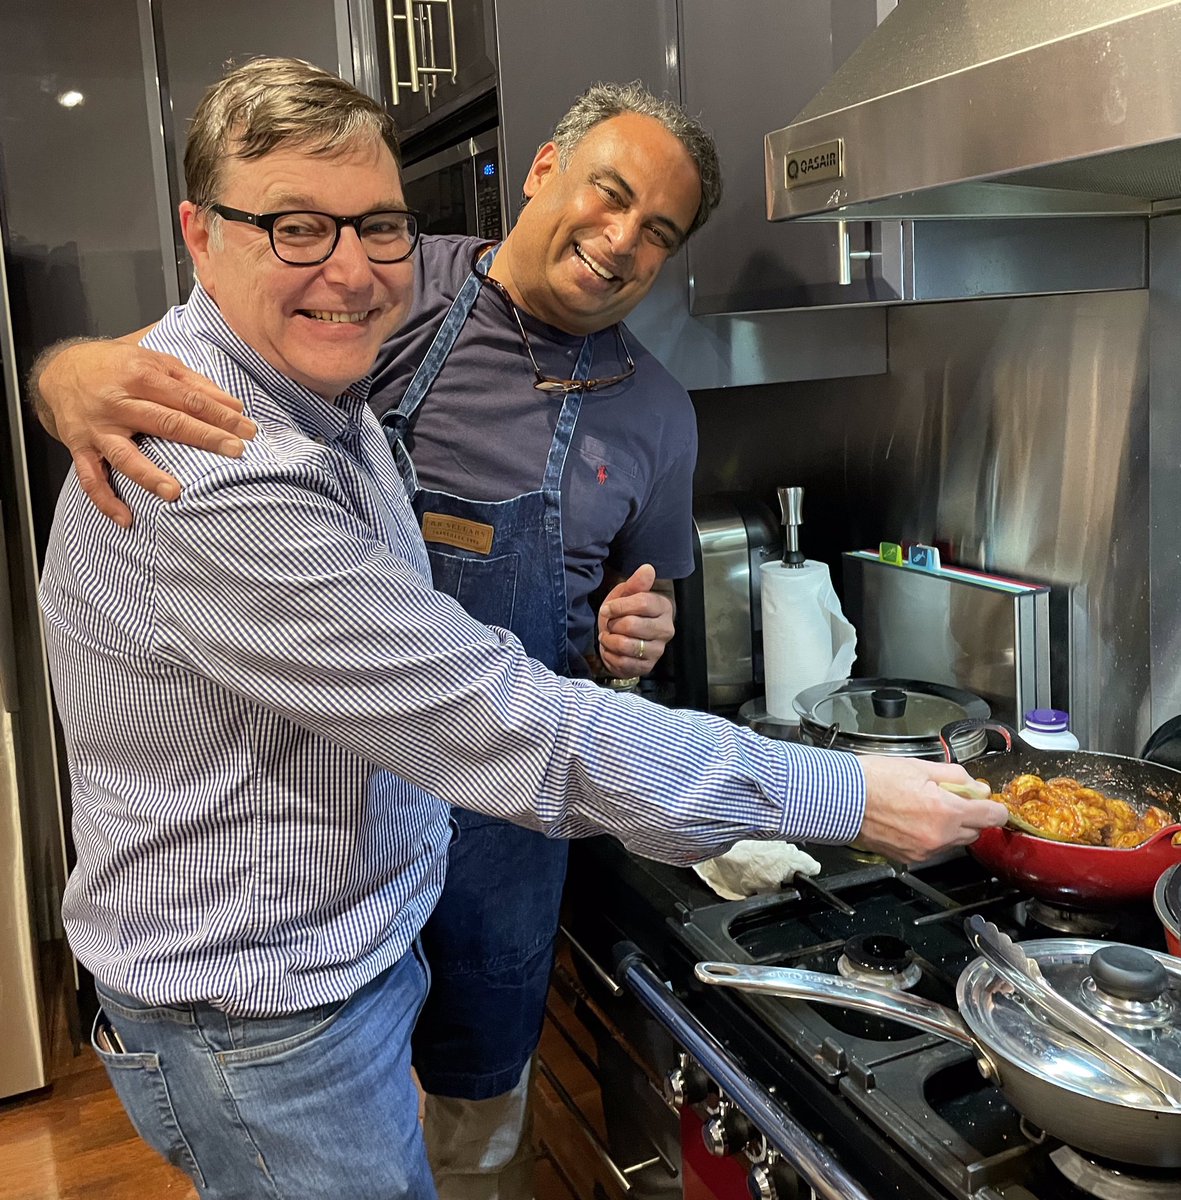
23	1064
31	843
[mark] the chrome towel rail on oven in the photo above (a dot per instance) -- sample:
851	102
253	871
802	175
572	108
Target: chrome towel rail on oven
826	1177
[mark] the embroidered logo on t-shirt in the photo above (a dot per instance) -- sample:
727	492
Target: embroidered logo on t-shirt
601	475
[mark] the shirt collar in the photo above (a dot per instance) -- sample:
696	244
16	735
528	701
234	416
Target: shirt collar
324	418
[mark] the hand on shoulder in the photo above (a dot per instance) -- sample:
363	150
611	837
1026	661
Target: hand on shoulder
100	394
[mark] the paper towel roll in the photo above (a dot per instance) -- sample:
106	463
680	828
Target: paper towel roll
806	639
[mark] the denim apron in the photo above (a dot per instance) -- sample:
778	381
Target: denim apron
490	939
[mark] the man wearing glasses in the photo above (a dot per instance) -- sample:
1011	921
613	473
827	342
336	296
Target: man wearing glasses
544	449
296	610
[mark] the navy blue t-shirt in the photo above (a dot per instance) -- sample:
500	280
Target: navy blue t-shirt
627	487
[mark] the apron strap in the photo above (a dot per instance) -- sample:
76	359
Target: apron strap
567	419
396	422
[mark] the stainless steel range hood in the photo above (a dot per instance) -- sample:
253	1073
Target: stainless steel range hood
992	108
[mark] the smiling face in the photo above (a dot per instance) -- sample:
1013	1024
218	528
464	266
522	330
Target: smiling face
320	326
588	246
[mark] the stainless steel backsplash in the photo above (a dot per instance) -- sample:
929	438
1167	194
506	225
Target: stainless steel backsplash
1017	431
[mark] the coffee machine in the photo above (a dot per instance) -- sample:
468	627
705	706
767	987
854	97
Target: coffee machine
718	650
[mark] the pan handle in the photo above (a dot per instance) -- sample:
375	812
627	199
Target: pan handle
828	736
970	725
830	989
1170	833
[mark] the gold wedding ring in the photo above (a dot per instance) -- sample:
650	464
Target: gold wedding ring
640	651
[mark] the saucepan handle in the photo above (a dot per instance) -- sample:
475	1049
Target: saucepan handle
970	725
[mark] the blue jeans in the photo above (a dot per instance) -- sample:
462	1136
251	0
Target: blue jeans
317	1104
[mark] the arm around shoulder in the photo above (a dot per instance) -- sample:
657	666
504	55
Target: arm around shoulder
95	396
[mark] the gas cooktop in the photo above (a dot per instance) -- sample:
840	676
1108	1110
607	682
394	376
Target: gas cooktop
914	1102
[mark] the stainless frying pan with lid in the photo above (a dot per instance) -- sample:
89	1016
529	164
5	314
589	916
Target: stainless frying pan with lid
1123	1105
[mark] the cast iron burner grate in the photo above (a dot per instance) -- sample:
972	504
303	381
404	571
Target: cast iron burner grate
1114	1181
1067	922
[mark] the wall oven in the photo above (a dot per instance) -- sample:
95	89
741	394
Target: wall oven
459	189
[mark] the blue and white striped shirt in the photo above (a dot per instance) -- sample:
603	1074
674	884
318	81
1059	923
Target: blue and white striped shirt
268	710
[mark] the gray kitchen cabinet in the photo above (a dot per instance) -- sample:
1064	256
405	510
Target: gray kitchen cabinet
621	40
432	40
750	68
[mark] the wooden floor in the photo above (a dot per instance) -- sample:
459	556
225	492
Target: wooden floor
74	1141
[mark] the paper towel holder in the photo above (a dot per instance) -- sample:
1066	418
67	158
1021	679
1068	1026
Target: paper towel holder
791	512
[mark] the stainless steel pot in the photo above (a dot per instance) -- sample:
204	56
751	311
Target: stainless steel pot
1166	899
889	716
1071	1090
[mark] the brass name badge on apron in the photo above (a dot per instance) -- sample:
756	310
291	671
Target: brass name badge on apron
455	531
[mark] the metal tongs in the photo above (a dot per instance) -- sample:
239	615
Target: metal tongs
1023	974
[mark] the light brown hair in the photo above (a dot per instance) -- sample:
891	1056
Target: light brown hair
270	102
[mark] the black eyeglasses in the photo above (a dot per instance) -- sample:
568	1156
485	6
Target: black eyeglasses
547	383
306	239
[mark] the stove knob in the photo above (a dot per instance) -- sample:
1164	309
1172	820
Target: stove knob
727	1132
686	1084
772	1180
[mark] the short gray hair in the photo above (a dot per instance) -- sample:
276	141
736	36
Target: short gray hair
270	102
602	101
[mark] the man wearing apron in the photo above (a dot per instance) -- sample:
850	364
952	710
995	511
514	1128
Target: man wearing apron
536	453
543	447
490	939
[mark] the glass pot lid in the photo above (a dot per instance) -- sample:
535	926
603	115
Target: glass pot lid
887	709
1134	992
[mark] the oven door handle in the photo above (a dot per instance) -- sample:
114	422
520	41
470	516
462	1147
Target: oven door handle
826	1177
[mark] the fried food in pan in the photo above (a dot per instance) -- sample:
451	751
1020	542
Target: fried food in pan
1066	810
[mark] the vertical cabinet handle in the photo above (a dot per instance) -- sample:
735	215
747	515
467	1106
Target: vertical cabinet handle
846	256
407	18
430	59
432	67
418	18
426	50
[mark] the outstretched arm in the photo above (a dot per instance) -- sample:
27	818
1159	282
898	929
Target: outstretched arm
94	396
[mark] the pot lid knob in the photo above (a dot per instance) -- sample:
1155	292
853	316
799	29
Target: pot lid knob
888	702
1128	973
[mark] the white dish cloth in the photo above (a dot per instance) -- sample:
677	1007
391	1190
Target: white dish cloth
752	867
